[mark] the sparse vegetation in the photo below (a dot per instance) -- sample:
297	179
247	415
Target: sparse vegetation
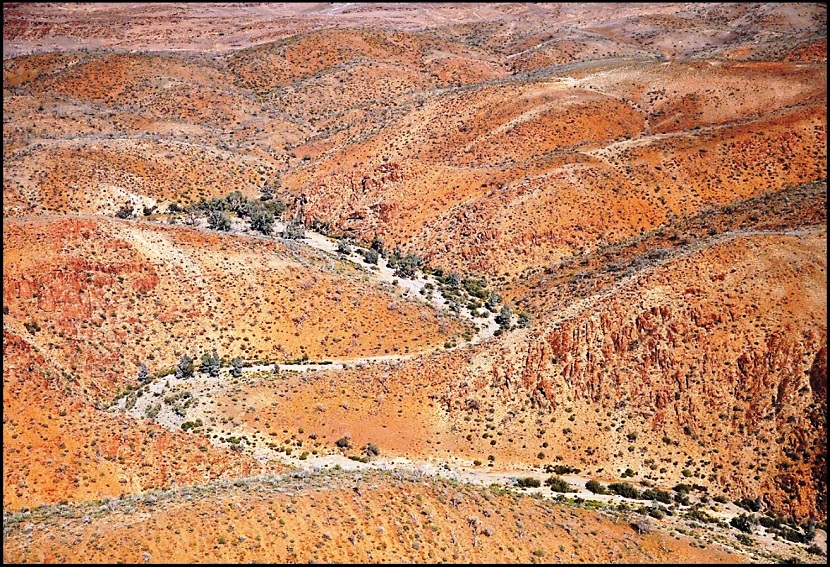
558	484
629	242
184	369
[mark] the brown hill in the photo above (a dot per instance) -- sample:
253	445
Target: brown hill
59	447
685	370
99	289
643	184
354	518
454	178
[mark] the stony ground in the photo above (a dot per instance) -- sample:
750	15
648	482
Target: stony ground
618	216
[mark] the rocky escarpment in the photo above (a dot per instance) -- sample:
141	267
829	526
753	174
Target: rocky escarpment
721	356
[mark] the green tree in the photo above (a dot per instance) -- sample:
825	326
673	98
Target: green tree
143	375
184	369
236	367
262	221
210	364
504	317
219	220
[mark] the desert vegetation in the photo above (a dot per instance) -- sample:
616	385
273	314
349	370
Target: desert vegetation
418	283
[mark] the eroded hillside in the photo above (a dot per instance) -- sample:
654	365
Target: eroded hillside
381	282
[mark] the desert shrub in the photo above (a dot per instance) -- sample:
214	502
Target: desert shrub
153	410
658	495
595	487
528	482
745	539
656	512
558	484
343	247
276	207
343	442
219	220
235	202
476	287
700	515
750	504
643	525
210	364
372	450
32	327
215	205
625	490
815	550
377	246
407	266
125	212
270	187
562	469
504	316
143	374
187	425
370	256
492	301
523	320
294	230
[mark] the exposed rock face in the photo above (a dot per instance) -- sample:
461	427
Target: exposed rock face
818	376
724	366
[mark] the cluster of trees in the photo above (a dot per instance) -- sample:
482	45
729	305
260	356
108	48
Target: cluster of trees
260	214
210	364
405	266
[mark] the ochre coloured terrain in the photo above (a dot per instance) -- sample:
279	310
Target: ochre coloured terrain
454	261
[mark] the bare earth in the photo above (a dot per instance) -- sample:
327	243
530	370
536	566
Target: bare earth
442	252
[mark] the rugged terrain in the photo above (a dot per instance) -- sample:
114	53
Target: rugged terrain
437	251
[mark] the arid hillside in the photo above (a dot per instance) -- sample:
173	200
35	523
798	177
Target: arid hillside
356	518
680	371
59	447
86	291
436	282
